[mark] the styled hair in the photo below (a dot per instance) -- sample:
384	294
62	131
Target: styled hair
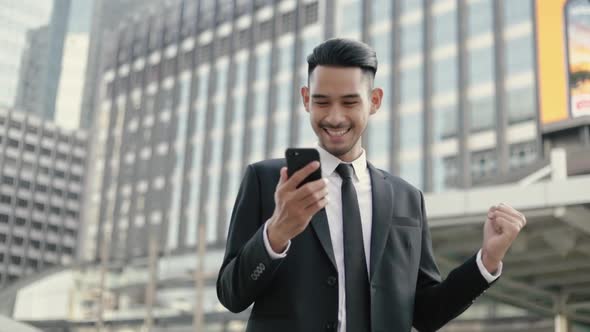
340	52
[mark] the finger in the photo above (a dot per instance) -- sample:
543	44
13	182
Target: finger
309	189
517	220
496	226
315	207
507	224
508	209
301	174
316	196
283	177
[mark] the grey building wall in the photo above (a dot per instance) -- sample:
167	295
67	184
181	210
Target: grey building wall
41	178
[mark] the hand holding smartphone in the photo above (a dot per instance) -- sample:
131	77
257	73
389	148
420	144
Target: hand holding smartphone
297	158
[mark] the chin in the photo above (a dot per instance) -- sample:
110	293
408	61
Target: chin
337	150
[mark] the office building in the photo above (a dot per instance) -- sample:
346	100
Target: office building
42	174
40	64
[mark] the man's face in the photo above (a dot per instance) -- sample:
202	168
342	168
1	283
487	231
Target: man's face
340	101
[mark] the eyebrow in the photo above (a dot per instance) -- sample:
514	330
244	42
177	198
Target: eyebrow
349	96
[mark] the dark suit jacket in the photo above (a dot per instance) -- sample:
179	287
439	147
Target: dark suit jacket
300	292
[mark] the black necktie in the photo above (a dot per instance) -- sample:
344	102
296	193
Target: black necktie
358	312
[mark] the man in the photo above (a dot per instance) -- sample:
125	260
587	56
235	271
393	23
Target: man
352	251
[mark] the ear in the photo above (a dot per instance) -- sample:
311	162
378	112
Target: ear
305	97
376	98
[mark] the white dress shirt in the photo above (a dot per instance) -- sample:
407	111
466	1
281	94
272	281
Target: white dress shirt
362	185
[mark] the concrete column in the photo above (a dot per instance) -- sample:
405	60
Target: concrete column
561	323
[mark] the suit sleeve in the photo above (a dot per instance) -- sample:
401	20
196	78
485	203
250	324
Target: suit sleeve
247	267
437	302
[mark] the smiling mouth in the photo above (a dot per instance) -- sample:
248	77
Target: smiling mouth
336	132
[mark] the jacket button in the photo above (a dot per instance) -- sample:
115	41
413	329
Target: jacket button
331	326
331	281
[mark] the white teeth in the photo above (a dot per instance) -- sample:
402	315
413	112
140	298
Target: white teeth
336	132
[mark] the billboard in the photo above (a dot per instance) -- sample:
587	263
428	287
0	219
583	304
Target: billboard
562	29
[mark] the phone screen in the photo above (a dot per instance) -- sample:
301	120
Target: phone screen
577	21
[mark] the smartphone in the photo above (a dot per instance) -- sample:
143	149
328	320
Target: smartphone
297	158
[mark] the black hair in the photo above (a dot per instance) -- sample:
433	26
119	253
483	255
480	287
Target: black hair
340	52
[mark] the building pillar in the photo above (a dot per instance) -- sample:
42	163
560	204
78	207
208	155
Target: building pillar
561	323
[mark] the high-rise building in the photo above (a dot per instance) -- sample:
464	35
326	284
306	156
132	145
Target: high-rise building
40	66
189	100
107	15
73	65
196	90
42	175
17	17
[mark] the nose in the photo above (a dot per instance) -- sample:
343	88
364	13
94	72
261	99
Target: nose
335	118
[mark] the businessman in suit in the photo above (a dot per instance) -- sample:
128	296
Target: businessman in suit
350	252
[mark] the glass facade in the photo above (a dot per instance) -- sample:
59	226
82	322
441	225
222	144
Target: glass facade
16	20
200	108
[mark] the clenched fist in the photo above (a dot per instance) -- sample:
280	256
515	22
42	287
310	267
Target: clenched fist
501	228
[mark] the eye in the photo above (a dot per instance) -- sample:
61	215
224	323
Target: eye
321	103
350	103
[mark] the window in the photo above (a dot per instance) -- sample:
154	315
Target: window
382	10
411	85
12	143
411	36
446	119
288	22
445	173
480	17
41	188
483	113
15	260
522	154
22	203
445	75
519	55
72	213
411	130
18	240
445	28
55	210
8	180
483	164
29	147
517	11
24	184
5	199
481	65
39	206
520	104
311	13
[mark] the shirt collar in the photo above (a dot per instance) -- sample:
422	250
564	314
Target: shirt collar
329	162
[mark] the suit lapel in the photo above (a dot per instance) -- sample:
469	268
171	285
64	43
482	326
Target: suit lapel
382	197
319	223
